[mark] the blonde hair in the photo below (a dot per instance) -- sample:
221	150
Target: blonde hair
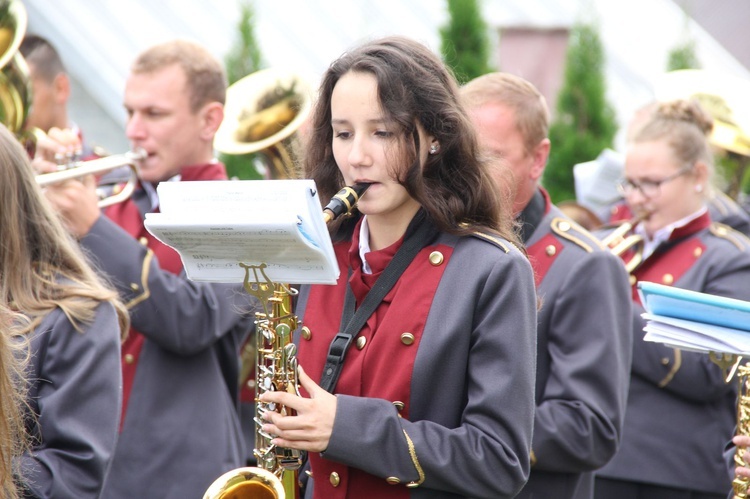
685	126
42	267
204	74
13	437
528	104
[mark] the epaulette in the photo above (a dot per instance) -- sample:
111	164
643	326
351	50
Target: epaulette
570	230
733	236
496	240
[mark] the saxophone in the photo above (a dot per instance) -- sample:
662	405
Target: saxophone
276	476
740	484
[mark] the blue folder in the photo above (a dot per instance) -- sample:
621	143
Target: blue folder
694	306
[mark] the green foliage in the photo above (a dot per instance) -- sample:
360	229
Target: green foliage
464	40
683	56
585	122
243	59
244	56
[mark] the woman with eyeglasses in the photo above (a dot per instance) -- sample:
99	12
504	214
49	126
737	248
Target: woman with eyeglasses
680	411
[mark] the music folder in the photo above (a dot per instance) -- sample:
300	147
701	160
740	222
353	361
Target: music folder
216	225
695	321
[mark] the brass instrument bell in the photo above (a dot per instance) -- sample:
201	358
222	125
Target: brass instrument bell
263	112
15	81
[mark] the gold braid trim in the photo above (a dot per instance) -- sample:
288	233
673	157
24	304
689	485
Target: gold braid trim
144	281
558	226
673	371
492	239
726	232
415	461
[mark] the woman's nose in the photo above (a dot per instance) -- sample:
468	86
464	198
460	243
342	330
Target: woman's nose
359	153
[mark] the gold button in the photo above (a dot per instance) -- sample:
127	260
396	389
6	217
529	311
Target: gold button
361	342
698	252
667	279
564	226
251	384
407	338
665	361
550	250
129	358
633	280
399	405
143	241
335	480
134	286
306	333
436	258
393	480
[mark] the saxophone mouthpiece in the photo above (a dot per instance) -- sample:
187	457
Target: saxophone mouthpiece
344	201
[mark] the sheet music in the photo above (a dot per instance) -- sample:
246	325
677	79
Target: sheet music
696	336
216	225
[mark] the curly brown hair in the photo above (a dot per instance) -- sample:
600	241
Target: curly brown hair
415	88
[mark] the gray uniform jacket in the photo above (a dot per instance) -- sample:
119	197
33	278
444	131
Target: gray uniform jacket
583	358
681	412
181	429
74	390
470	386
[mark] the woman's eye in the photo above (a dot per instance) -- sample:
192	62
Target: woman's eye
341	135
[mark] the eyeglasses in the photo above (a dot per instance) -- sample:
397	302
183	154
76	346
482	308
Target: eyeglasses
648	188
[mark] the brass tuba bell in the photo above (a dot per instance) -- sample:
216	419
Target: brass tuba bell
263	112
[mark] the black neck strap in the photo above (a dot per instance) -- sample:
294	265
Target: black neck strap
353	321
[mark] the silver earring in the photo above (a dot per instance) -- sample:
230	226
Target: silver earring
434	148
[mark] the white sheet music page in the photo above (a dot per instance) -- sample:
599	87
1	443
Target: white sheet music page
216	225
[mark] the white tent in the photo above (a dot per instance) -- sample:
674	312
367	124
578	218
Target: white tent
99	38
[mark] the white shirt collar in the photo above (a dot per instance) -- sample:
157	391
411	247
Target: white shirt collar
662	235
364	244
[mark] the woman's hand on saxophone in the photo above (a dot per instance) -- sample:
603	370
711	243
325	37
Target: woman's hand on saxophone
743	442
310	429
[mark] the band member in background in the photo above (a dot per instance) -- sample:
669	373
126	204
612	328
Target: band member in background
680	411
180	425
51	90
70	324
721	207
435	398
583	332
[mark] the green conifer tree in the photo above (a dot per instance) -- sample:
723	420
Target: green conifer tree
465	42
585	122
243	58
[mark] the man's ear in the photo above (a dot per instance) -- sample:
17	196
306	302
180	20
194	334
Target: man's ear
539	158
61	84
212	115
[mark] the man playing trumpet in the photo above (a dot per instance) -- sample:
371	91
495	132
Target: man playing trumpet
180	362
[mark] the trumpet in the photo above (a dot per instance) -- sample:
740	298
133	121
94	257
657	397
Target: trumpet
97	167
620	241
